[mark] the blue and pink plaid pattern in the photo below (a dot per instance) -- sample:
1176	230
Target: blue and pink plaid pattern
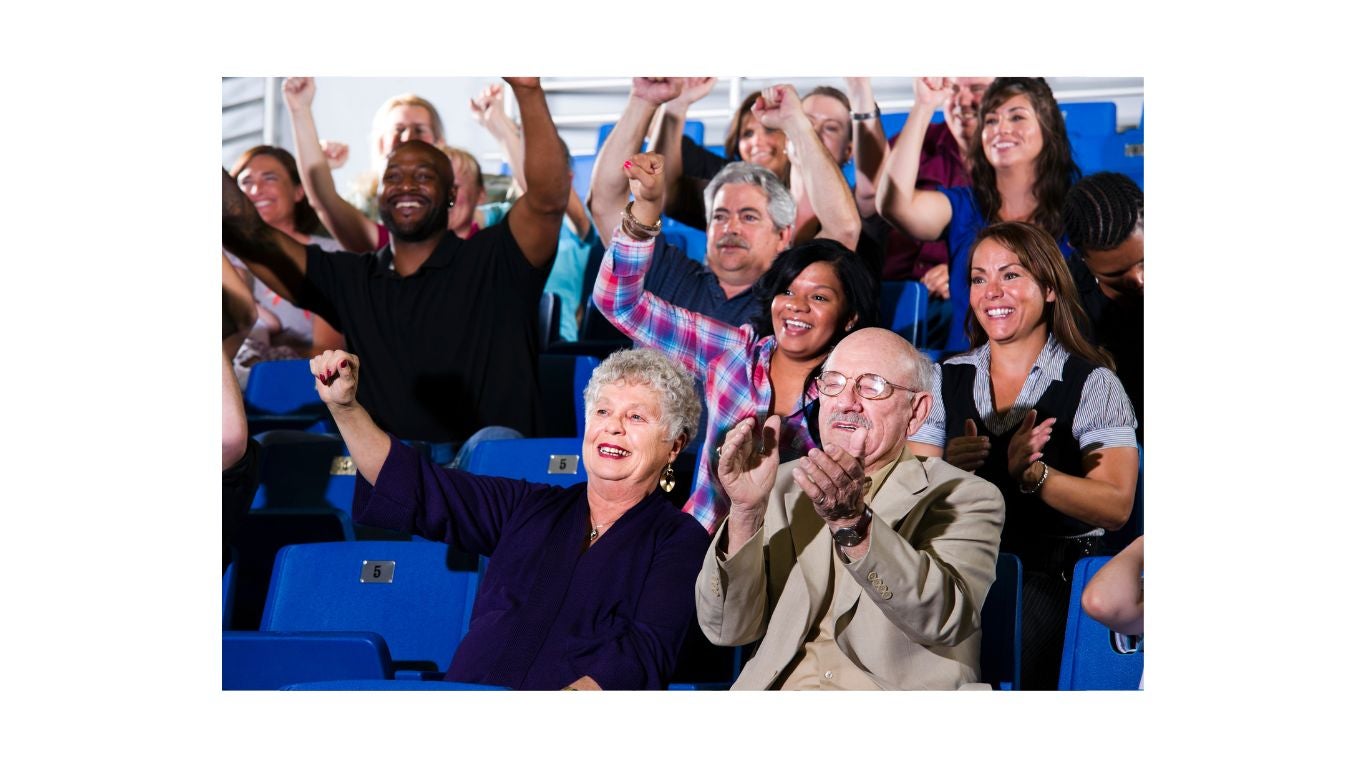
732	362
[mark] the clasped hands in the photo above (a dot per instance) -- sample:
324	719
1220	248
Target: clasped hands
832	477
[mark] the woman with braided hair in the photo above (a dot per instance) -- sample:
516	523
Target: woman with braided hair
1021	170
1103	220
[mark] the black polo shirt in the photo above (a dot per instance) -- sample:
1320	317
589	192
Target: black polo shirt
447	350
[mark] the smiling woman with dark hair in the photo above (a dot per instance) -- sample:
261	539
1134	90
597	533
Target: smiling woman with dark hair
1036	409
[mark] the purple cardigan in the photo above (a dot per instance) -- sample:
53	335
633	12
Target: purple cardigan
550	611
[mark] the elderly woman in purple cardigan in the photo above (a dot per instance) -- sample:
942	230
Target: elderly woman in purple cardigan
587	587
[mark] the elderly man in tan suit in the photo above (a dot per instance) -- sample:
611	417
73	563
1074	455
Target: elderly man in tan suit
860	566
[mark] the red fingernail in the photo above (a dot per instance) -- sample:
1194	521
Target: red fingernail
320	378
345	363
626	164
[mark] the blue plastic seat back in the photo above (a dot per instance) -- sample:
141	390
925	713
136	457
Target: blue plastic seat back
401	590
258	661
582	165
1002	614
1091	131
690	240
551	460
562	381
282	387
905	305
229	592
305	470
1093	660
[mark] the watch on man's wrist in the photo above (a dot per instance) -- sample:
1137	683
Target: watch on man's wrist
853	535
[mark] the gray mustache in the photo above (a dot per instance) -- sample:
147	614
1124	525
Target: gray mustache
732	241
857	419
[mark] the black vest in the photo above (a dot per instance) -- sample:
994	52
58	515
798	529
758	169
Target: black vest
1027	517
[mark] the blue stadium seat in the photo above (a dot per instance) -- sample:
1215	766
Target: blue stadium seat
1002	614
582	165
693	129
400	590
1091	130
229	592
690	240
1093	657
305	470
905	305
893	122
258	661
551	460
280	395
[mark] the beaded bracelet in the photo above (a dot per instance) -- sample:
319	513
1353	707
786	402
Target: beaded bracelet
636	230
1039	484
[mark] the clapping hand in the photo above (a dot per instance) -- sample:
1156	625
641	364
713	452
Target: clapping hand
968	452
1026	445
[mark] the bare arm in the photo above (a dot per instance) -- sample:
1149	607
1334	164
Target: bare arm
922	214
325	337
273	257
779	107
336	376
234	417
535	218
1114	597
239	309
352	229
609	189
667	137
870	145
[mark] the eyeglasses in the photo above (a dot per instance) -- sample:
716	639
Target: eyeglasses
868	386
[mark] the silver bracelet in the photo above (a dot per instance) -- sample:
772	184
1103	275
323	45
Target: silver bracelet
1039	484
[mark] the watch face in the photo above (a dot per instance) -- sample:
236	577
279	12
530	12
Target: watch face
848	537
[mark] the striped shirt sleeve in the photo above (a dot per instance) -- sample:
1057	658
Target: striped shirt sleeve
1105	417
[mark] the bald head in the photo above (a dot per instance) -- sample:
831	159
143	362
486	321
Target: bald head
876	430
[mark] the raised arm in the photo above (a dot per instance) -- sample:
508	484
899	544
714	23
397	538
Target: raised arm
487	110
920	213
667	138
239	309
535	218
691	338
1114	596
352	229
273	257
235	435
608	189
870	144
820	179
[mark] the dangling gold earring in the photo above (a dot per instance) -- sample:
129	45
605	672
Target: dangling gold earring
666	480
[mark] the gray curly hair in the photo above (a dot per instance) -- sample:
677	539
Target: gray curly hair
781	207
677	397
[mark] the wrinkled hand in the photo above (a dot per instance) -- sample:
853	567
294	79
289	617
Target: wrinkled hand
695	89
523	82
968	452
336	375
936	280
1026	445
336	152
777	106
489	101
745	473
645	174
656	90
834	479
298	92
934	91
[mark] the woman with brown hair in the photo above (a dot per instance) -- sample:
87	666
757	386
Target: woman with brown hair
1036	409
1021	170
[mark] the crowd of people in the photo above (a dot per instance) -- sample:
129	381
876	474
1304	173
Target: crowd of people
851	497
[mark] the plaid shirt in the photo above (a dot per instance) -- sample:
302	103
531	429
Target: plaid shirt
732	361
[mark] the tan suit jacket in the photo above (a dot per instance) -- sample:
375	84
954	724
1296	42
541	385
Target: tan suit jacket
910	616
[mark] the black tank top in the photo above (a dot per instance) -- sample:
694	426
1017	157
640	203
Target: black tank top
1027	517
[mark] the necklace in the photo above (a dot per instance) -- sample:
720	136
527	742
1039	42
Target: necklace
598	529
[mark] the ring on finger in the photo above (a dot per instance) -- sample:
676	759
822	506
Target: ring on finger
821	500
